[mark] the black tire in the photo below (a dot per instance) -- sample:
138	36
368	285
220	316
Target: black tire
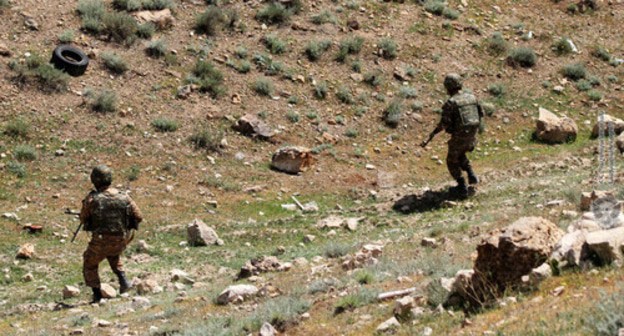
70	59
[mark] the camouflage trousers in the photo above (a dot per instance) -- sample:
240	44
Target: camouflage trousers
456	159
102	247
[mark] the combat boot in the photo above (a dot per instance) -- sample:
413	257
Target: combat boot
123	282
97	295
460	189
472	177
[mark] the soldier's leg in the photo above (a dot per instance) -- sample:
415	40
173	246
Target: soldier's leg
114	260
467	167
91	261
454	161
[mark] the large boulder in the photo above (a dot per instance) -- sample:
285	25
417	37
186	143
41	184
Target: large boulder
200	234
605	247
553	129
292	160
251	125
618	126
237	294
505	256
162	19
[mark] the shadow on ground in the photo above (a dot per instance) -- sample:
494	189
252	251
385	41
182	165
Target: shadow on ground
429	200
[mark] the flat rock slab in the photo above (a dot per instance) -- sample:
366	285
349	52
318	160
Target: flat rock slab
605	247
237	293
292	160
251	125
553	129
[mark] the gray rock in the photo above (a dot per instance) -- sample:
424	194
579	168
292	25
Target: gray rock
389	325
568	250
251	125
108	292
429	242
148	286
26	251
403	308
540	274
618	126
439	291
553	129
70	292
267	330
162	19
605	246
236	294
200	234
141	302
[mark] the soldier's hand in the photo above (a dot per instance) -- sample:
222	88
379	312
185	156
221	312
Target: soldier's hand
423	144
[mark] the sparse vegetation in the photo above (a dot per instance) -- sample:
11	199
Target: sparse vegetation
388	48
562	46
325	16
392	113
496	44
601	53
24	153
135	5
274	44
407	92
373	78
523	57
208	78
103	101
349	46
243	66
594	95
263	86
17	128
583	85
146	30
293	117
207	139
67	36
496	89
315	49
574	71
114	63
362	297
274	13
607	316
36	70
156	49
4	4
344	95
119	27
320	90
165	125
210	21
17	169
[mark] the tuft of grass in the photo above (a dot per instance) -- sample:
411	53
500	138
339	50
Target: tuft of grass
373	78
114	62
583	85
349	46
392	113
17	169
67	36
156	49
17	128
119	27
523	57
241	52
263	86
323	285
407	92
315	49
344	95
325	16
146	30
133	173
594	95
4	3
607	316
496	89
36	69
496	44
320	90
210	21
562	47
365	277
165	125
574	71
388	48
206	139
243	66
450	13
356	66
435	7
293	117
336	249
268	65
24	153
274	13
351	133
104	101
274	44
362	298
282	313
208	78
601	53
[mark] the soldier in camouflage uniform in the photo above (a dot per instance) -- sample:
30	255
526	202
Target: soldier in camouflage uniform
461	117
111	216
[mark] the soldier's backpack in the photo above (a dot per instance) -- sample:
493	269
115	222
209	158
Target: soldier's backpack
468	111
110	213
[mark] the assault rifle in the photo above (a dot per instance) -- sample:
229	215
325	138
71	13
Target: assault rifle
69	211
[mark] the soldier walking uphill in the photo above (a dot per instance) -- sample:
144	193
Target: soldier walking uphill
461	117
111	216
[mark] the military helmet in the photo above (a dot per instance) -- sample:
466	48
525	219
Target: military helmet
101	176
452	82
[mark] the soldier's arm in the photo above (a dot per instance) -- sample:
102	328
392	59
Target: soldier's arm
135	212
85	213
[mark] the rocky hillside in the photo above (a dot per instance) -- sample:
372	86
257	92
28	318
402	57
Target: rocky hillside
188	101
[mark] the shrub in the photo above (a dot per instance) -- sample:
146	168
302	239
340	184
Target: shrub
417	106
574	71
336	249
243	66
274	44
450	13
373	78
356	66
607	316
407	92
292	116
320	90
157	4
133	173
156	49
363	297
351	133
350	45
282	313
388	48
435	7
344	95
323	285
325	16
562	46
315	49
210	21
17	169
17	128
496	90
522	56
146	30
128	5
594	95
583	85
206	139
4	3
24	153
67	36
120	27
104	101
594	80
263	86
392	113
114	63
572	8
612	79
91	8
165	125
265	62
496	44
294	100
209	78
365	277
134	5
274	13
51	79
601	53
241	52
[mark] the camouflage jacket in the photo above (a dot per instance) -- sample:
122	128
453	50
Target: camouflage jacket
450	119
109	211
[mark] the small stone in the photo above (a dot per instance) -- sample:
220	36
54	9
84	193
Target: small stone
429	242
108	292
427	331
267	330
104	323
28	277
59	152
308	238
389	325
26	251
557	291
77	332
70	292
